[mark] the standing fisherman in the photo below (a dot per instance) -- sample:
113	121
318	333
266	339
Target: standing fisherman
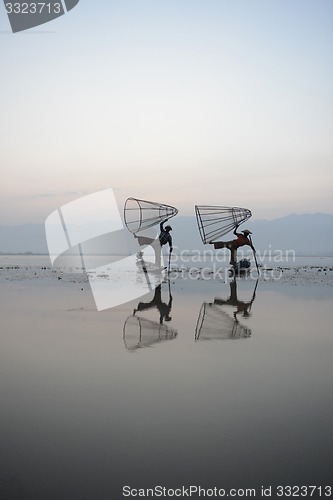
233	245
165	236
157	243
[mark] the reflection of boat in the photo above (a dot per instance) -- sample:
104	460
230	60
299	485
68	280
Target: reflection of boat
215	324
141	332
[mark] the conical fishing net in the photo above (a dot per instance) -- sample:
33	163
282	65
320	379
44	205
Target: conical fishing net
141	332
215	324
214	222
142	214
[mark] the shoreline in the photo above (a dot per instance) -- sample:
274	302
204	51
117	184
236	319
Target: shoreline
303	275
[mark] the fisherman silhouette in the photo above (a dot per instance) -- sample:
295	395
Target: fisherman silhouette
157	243
233	245
163	308
165	236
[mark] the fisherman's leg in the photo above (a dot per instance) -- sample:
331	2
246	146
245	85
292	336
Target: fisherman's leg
158	295
220	244
233	257
155	244
157	249
143	240
143	306
233	292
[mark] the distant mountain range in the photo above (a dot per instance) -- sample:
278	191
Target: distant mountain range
306	234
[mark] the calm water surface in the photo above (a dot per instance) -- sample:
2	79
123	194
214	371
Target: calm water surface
234	391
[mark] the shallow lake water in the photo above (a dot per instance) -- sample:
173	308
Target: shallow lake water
204	382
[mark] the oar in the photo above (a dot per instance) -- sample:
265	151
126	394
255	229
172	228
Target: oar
169	263
144	268
254	294
254	255
82	260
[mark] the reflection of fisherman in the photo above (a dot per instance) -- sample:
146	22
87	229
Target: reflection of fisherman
163	308
242	306
233	245
215	323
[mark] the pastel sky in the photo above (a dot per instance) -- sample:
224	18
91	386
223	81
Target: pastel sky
223	102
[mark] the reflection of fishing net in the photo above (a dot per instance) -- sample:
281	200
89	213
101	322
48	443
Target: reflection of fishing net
214	222
215	324
141	214
141	332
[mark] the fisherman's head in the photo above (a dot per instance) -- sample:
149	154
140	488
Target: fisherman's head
168	228
246	232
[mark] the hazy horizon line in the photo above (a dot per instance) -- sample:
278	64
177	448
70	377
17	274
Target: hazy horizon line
193	215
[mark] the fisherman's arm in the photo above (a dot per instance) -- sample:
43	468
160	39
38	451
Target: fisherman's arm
235	230
251	245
